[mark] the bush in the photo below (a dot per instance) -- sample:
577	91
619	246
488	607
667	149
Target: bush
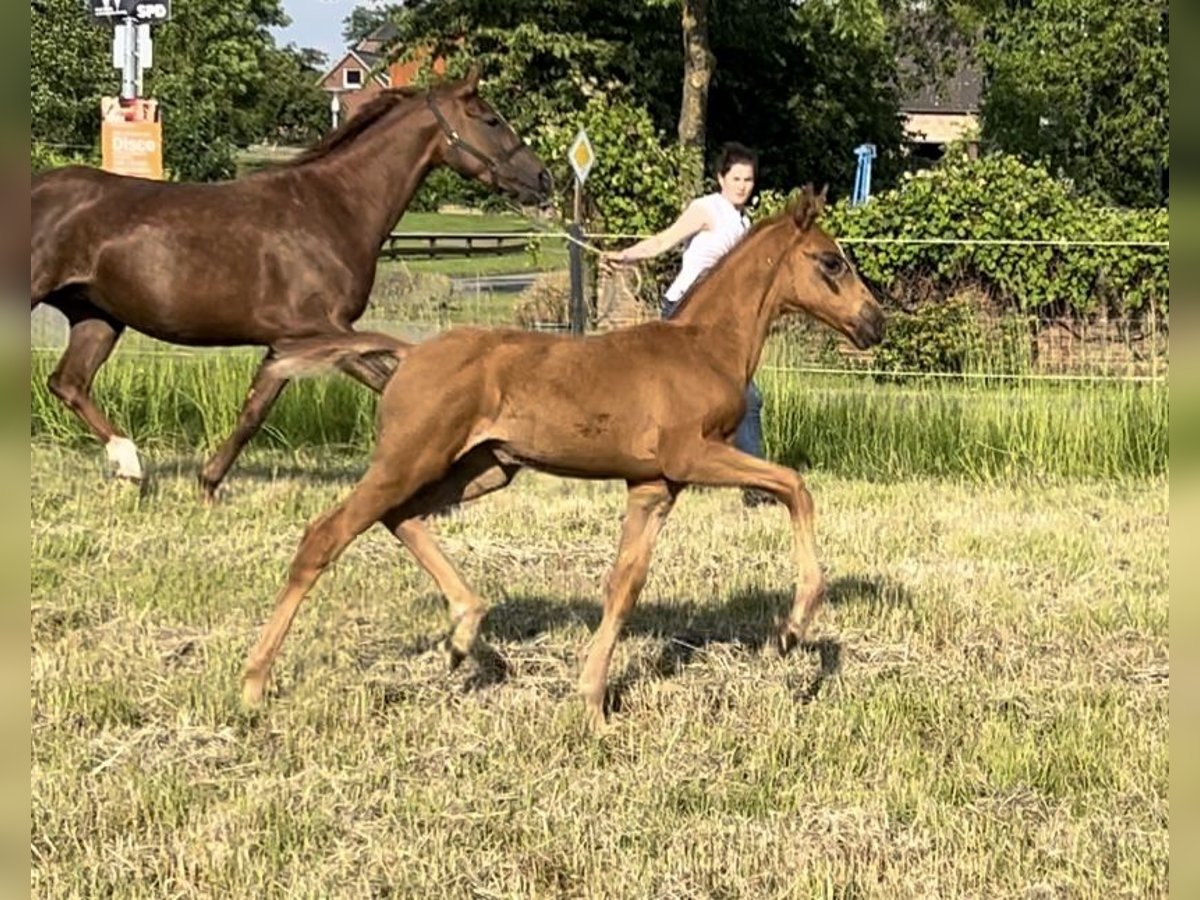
998	197
42	157
634	184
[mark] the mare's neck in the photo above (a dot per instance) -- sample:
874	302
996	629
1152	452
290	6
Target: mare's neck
376	173
734	305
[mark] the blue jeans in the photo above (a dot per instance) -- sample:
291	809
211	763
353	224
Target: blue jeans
748	438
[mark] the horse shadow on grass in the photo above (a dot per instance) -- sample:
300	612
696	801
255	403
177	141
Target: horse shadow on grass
339	470
684	629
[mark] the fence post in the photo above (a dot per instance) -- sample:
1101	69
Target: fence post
577	312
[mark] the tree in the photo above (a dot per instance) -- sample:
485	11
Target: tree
365	19
292	109
783	72
211	70
1082	87
698	63
70	70
221	81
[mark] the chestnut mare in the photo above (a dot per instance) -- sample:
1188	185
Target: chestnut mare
285	253
653	404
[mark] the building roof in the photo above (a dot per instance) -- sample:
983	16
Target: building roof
378	40
957	93
367	62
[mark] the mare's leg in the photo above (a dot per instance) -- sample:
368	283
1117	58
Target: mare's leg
479	472
264	391
91	340
647	508
718	464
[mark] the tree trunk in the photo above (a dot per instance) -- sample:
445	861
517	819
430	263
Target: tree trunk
698	64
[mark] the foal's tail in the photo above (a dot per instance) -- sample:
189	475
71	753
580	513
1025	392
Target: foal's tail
308	356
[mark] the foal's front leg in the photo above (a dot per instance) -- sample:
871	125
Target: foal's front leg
721	465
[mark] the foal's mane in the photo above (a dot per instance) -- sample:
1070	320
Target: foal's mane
362	121
739	249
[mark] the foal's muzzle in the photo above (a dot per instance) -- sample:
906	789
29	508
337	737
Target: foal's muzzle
869	330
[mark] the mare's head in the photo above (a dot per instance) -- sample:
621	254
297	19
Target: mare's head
479	144
820	281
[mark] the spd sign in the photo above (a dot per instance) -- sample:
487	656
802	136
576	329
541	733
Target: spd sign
139	10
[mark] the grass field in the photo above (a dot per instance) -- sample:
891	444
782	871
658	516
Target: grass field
841	424
983	712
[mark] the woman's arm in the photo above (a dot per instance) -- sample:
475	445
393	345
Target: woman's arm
690	221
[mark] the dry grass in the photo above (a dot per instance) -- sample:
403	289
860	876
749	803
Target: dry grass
983	712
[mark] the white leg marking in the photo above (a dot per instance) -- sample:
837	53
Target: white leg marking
123	452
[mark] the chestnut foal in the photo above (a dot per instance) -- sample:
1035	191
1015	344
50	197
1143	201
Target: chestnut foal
654	405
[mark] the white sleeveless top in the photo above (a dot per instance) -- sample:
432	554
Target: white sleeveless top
709	245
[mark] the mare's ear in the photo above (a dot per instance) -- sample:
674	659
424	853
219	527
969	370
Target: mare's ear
807	207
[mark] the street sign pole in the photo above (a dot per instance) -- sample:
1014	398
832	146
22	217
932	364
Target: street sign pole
130	130
129	58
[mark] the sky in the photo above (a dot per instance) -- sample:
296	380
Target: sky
317	23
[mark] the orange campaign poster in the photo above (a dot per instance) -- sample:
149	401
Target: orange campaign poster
131	138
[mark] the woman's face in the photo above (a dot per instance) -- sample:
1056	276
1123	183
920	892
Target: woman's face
737	183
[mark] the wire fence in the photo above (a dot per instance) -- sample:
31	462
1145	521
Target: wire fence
417	303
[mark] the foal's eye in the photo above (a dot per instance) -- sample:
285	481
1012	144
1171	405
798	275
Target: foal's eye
833	264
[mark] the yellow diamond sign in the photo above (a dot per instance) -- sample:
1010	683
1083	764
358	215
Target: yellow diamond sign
581	156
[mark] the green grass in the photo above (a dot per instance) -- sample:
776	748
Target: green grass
854	425
984	712
544	255
458	223
847	425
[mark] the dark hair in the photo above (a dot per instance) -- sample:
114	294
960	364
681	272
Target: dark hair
733	153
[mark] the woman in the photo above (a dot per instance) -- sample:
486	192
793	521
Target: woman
711	225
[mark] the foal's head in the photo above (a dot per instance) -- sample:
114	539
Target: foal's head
820	281
480	144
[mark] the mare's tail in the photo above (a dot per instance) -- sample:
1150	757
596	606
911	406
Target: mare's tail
309	356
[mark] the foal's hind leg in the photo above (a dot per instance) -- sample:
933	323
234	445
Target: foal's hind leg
479	472
393	478
92	339
323	542
647	508
264	391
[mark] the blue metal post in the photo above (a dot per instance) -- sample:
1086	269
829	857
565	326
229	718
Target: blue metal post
862	175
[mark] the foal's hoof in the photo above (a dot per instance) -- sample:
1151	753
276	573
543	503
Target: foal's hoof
253	689
787	637
454	656
595	721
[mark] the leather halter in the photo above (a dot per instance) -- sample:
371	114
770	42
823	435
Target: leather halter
455	140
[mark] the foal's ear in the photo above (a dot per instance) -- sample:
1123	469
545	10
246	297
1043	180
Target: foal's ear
470	84
807	207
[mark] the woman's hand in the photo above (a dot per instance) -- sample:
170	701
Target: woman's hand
612	259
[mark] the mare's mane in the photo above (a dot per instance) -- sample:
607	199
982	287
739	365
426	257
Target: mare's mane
358	124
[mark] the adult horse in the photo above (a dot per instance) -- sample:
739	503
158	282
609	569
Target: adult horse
285	253
654	405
